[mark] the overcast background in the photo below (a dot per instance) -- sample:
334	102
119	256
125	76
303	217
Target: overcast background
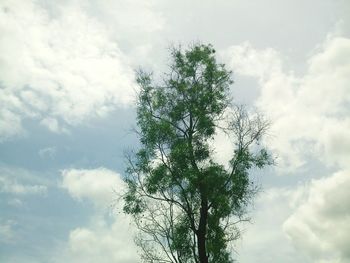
67	94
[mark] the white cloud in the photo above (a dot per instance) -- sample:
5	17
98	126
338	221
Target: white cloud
320	226
49	152
109	243
101	241
7	234
60	69
17	184
310	120
136	25
96	185
264	239
53	125
311	110
10	123
248	61
11	185
130	15
306	223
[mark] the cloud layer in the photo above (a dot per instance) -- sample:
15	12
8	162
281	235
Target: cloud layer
60	69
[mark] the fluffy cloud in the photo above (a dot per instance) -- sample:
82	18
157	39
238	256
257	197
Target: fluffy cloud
314	217
312	109
58	66
107	243
248	61
96	185
320	226
310	120
108	238
264	240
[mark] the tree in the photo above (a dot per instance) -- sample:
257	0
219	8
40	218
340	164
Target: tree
185	204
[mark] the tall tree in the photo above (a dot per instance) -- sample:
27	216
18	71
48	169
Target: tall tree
185	203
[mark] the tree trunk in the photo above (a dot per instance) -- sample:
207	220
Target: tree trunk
202	231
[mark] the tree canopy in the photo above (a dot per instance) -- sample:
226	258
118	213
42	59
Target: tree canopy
185	202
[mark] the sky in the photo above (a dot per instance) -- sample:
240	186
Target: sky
67	111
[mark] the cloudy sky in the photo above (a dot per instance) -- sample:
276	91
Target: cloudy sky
67	108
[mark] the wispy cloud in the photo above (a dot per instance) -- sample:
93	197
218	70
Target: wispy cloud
7	234
19	182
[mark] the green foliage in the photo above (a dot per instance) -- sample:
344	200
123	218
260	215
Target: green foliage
185	203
